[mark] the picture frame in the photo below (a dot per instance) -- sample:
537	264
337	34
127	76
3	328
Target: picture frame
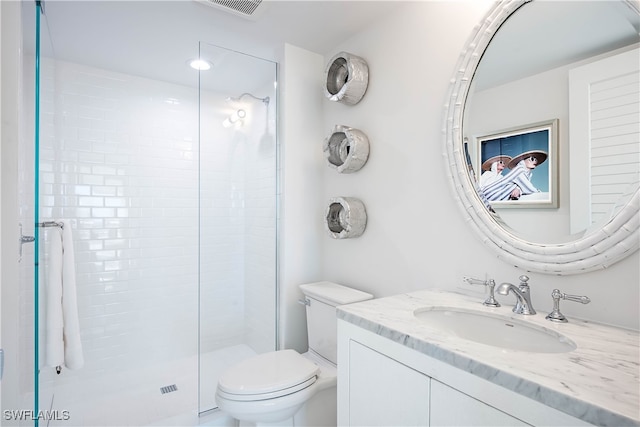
530	175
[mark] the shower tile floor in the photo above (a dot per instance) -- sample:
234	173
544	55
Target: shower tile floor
134	398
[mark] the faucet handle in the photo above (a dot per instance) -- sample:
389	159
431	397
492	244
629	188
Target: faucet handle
555	315
524	280
488	283
474	281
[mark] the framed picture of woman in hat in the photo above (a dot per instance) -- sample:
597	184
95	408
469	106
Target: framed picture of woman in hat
517	168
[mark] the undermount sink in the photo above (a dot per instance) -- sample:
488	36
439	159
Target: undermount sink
495	330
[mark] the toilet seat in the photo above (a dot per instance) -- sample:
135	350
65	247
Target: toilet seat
268	376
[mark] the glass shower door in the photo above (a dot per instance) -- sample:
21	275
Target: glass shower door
118	161
170	191
238	203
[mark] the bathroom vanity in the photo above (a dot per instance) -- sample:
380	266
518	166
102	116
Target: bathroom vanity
442	358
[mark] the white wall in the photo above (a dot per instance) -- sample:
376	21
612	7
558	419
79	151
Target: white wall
416	237
10	88
0	192
17	109
301	173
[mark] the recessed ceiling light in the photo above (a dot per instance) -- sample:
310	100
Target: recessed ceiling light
199	64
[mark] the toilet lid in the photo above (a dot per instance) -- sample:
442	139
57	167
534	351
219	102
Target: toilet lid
268	372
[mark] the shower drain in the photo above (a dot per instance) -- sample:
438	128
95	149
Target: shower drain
168	388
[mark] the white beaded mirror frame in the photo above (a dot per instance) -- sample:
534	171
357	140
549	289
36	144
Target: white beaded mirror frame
611	243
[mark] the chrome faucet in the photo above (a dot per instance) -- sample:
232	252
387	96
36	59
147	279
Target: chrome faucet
523	296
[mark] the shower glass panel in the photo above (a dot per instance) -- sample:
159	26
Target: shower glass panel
172	216
238	205
119	164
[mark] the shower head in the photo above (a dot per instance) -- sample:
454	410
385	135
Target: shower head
265	100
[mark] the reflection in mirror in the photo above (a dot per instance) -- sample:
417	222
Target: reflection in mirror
539	70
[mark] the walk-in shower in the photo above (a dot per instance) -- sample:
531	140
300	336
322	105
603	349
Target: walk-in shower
173	218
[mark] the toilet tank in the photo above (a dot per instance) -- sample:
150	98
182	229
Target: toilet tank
322	298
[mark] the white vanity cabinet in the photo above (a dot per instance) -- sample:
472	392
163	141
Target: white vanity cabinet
451	407
384	392
384	383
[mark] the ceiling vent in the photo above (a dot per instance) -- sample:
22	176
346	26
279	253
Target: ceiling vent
250	9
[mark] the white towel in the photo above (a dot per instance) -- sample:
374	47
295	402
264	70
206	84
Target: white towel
63	343
54	341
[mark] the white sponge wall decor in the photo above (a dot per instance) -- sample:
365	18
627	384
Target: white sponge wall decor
345	217
346	149
346	78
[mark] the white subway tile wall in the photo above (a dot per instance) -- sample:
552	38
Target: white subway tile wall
120	158
121	164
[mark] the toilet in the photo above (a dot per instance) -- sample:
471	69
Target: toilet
284	387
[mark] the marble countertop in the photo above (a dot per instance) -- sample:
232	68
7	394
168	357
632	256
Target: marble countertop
598	382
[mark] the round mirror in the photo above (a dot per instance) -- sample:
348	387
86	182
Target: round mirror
542	133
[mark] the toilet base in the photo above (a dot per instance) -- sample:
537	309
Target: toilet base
284	423
319	411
